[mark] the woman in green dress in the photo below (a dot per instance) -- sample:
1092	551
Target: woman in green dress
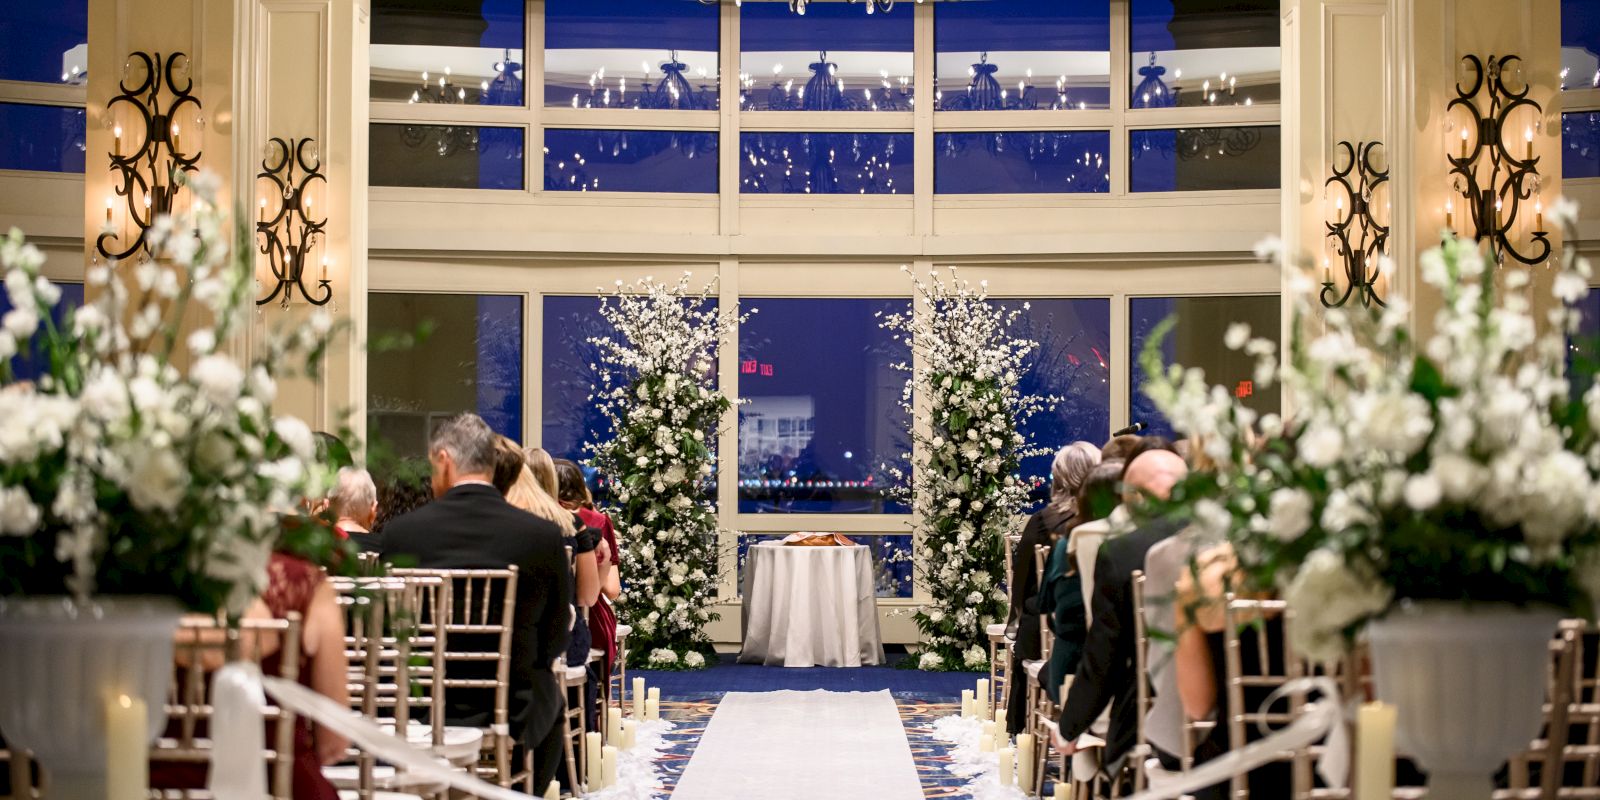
1061	595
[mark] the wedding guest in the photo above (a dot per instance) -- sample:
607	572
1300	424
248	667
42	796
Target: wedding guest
471	526
1200	668
1067	471
1119	448
574	494
406	489
355	508
1061	598
294	585
1105	674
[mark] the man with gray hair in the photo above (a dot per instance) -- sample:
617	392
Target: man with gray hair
469	525
355	508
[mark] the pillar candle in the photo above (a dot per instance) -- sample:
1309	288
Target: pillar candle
652	710
630	733
986	739
654	694
613	724
127	748
554	791
608	762
1063	790
1008	765
1375	751
966	703
982	696
592	769
638	697
1025	761
1001	736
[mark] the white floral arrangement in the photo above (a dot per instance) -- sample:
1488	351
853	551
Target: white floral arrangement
658	390
1461	468
964	489
122	472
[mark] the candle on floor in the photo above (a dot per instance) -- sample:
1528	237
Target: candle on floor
652	709
613	725
654	694
1063	790
127	748
982	696
1002	736
966	703
1008	765
986	738
1375	751
630	734
638	697
554	791
608	765
593	773
1025	761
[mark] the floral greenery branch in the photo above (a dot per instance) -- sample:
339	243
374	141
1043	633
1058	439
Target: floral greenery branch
963	488
122	472
1460	468
657	389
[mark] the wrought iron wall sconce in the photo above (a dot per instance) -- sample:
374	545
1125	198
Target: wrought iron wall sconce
290	233
147	167
1495	200
1359	240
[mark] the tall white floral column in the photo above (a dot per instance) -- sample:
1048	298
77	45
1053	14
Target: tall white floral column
659	393
965	490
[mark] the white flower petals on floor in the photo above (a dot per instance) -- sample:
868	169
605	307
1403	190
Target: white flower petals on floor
970	759
637	776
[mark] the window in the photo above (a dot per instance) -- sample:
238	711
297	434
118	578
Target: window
1072	363
1196	341
822	417
1583	347
630	54
1021	162
45	42
825	163
33	364
892	564
834	58
456	53
1580	45
1203	54
445	156
469	358
42	138
1022	55
578	160
1580	142
1200	159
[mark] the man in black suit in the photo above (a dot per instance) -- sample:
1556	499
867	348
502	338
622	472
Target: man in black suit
469	525
1106	671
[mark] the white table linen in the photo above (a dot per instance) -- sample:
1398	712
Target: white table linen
810	606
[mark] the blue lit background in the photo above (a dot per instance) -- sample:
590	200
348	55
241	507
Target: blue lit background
1059	52
1021	162
31	364
577	160
825	163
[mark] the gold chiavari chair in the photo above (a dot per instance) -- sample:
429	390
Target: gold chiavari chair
1138	760
617	681
19	767
467	625
574	744
1275	666
1000	639
1565	770
1040	708
203	646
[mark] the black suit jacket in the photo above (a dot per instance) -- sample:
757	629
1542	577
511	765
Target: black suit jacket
473	527
1106	671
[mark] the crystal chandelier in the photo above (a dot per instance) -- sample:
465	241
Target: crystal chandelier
798	7
445	140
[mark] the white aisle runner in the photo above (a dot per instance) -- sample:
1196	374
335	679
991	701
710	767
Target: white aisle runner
778	745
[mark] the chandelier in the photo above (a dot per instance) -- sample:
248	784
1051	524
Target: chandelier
984	92
825	91
672	91
798	7
446	140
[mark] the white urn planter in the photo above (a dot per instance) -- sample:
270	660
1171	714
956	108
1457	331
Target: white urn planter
1468	684
61	661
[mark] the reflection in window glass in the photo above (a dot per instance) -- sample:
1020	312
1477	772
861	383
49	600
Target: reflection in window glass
1196	341
453	53
578	160
1580	44
834	58
1199	159
1580	142
1022	54
445	156
45	42
43	138
32	364
822	415
471	361
1583	347
891	558
630	54
1196	54
1021	162
825	163
1072	363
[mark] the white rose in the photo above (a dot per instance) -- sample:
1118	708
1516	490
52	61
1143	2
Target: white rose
1327	596
156	479
1321	446
694	659
297	436
219	379
18	515
1289	514
1423	491
1459	477
20	322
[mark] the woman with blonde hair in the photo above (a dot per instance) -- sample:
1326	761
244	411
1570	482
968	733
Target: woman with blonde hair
1067	471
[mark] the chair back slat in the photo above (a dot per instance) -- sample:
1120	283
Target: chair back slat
1275	665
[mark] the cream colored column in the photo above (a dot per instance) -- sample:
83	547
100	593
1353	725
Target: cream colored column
307	78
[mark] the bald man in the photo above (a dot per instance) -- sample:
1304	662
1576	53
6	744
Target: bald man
1106	672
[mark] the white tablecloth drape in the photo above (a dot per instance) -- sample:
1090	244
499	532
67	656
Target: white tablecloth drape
810	606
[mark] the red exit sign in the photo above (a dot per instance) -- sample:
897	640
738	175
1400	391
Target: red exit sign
753	367
1244	389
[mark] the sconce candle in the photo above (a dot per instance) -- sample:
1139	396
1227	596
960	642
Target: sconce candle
1493	182
150	176
1355	235
288	238
116	147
